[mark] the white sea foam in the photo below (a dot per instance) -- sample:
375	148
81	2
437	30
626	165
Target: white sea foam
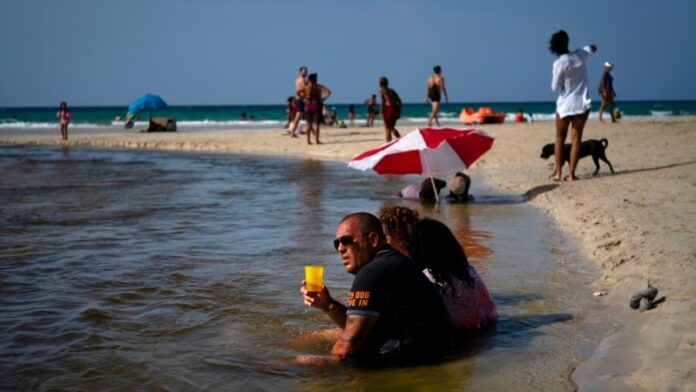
661	113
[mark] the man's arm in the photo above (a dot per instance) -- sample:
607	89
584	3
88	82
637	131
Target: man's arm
355	334
444	90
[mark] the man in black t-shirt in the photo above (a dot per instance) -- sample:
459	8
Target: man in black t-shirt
394	313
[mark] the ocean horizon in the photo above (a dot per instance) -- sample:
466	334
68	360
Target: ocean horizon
274	116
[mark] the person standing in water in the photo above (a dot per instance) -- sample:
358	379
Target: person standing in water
390	107
64	115
569	79
434	90
314	95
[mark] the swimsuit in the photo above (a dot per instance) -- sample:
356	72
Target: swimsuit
299	105
64	117
313	106
434	93
390	115
469	307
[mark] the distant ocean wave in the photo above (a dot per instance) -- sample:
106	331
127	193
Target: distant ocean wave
661	113
274	116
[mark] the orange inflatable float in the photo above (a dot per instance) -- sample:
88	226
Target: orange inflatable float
484	115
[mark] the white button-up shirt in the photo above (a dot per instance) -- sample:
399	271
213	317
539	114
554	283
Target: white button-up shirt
570	81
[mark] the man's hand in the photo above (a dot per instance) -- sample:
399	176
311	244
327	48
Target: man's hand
317	299
322	300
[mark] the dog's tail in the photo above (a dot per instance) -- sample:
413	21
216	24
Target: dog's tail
604	142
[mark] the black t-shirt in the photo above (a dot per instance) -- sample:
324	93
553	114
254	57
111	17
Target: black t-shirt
412	319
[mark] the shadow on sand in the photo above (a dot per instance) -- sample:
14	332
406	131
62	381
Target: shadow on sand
515	199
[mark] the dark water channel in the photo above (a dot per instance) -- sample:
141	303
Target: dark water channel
150	270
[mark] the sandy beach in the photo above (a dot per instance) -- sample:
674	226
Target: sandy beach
637	225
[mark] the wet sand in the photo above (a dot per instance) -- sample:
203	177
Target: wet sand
637	225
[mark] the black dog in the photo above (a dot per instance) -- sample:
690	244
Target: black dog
588	147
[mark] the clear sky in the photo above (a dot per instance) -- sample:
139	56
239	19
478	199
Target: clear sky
222	52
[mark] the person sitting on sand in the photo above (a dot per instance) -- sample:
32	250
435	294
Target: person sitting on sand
519	116
441	257
394	314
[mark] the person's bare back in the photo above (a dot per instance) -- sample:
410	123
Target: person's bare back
299	85
439	83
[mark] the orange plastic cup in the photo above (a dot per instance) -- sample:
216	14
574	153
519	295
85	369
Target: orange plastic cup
313	277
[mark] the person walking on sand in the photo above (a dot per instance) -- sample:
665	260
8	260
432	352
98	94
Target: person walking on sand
569	79
300	82
435	88
64	115
394	315
370	103
314	95
607	93
390	107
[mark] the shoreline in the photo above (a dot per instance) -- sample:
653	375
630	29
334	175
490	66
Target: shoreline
635	225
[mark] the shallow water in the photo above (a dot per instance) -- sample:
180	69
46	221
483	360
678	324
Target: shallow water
132	270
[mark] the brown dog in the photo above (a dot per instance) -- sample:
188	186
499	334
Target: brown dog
588	147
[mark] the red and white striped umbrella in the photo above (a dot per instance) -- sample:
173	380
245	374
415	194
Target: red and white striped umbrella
430	151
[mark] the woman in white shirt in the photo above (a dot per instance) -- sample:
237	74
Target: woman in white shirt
573	104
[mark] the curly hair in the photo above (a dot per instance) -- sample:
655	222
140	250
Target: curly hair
398	223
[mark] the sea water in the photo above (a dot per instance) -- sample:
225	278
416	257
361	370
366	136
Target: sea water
152	270
274	116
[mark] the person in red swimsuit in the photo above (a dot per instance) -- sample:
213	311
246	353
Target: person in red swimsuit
64	115
390	108
314	95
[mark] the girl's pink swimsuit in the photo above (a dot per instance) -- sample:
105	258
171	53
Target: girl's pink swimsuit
469	307
64	117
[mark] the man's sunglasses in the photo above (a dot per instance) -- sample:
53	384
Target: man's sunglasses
345	240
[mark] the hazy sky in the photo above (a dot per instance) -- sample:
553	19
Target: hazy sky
107	52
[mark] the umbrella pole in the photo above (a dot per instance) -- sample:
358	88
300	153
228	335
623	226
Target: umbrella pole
432	180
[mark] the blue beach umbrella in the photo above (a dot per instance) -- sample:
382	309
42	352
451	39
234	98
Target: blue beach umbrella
147	101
